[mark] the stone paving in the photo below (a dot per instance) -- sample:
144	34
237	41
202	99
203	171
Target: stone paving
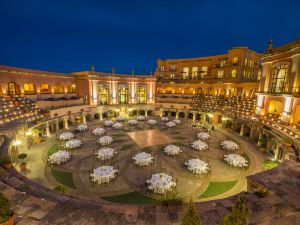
132	178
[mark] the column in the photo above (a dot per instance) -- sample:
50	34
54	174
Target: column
161	113
242	130
146	113
194	116
47	129
83	118
101	115
66	125
177	114
57	124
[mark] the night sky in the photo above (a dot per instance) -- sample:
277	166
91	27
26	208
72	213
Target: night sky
68	36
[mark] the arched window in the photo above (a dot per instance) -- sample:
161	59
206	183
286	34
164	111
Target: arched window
103	94
45	88
29	88
72	88
141	95
279	78
58	89
123	95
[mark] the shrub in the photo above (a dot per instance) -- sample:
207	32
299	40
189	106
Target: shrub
228	124
88	117
5	159
191	216
22	156
61	189
171	202
269	164
239	213
5	209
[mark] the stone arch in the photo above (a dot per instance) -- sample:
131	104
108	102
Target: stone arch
181	114
275	106
296	119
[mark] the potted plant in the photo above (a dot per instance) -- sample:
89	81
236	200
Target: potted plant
23	163
36	134
6	162
6	213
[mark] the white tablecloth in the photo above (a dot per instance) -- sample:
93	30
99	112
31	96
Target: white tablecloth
165	119
66	136
82	127
152	122
105	153
74	143
203	136
108	123
103	174
199	145
236	160
105	140
143	159
99	131
229	145
172	150
117	126
132	122
197	166
177	121
59	157
120	119
140	118
160	183
171	124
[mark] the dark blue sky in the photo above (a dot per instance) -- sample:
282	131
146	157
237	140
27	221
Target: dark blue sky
67	36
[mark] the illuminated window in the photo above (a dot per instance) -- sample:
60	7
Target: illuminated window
123	95
29	88
173	67
245	73
250	62
72	88
223	62
162	68
45	88
279	79
220	74
246	61
204	70
103	94
235	60
172	76
259	75
194	72
58	89
249	74
141	95
233	73
185	73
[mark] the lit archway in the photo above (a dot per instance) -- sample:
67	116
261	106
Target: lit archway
275	107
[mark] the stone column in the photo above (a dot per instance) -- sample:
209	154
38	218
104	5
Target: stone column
177	114
66	125
242	130
101	115
57	124
83	118
47	129
161	113
146	113
194	116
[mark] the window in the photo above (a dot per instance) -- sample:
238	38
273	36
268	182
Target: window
173	67
194	72
279	79
220	74
259	75
45	88
250	62
249	74
235	60
58	89
245	74
223	62
185	73
141	95
72	88
29	88
162	68
123	95
172	76
204	70
233	73
103	94
246	61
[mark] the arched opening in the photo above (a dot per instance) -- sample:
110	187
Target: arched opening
190	115
181	115
29	88
173	114
149	112
97	116
13	89
296	119
133	112
123	95
103	93
105	115
198	116
275	107
58	89
45	88
142	112
141	95
165	113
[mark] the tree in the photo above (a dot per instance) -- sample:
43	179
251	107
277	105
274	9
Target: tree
191	216
239	213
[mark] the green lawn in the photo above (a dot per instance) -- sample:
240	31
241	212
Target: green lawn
217	188
132	198
53	149
65	178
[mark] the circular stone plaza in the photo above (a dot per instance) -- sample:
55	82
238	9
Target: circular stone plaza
106	148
